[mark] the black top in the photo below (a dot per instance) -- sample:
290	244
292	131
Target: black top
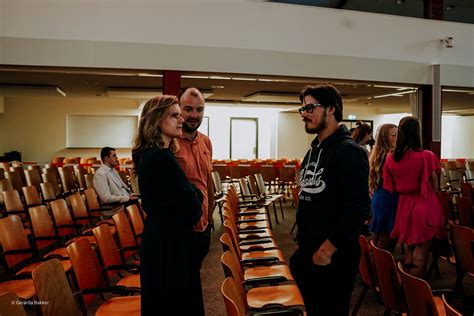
334	196
165	190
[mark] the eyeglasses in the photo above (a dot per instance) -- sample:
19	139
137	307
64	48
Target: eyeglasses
309	107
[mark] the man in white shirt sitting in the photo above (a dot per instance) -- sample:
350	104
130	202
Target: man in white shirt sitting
107	182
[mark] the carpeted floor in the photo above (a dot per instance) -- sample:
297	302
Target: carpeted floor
212	274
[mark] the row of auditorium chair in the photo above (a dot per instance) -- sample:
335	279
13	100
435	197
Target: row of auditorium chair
454	173
258	279
64	180
458	207
398	291
64	248
252	189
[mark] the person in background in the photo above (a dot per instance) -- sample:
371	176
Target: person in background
413	173
333	204
107	182
173	207
384	203
362	135
195	158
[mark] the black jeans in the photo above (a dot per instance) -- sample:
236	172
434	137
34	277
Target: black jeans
326	290
201	243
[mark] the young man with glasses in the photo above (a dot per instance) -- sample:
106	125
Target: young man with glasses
333	204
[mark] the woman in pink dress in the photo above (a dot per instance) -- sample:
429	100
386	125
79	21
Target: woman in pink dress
413	173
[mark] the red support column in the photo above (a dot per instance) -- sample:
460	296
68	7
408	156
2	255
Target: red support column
433	9
427	111
171	82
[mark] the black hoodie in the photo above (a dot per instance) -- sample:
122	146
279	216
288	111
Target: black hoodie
334	196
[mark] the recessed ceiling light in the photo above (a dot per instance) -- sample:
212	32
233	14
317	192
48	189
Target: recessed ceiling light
399	1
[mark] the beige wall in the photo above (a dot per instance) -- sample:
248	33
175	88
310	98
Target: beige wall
36	126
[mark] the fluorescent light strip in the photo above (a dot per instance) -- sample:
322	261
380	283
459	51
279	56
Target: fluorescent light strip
458	90
220	78
244	79
391	87
195	77
61	91
149	75
398	94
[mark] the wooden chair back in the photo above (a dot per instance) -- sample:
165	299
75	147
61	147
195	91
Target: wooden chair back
134	183
15	179
12	202
52	178
79	210
463	239
62	218
13	237
5	185
89	178
68	179
91	199
465	211
5	165
33	177
125	234
47	191
450	311
8	308
52	286
32	197
466	190
231	266
389	280
444	199
86	267
80	174
235	303
418	295
42	226
136	219
228	244
366	264
108	251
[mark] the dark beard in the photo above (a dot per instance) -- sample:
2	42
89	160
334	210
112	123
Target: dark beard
321	126
189	129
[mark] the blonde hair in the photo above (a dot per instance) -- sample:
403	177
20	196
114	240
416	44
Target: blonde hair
149	133
381	148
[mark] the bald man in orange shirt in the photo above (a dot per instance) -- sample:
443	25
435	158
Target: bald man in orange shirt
195	157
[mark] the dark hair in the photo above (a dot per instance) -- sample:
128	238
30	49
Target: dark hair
327	95
361	131
409	137
105	152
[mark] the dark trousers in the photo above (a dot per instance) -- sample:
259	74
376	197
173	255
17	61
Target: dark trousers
201	243
326	290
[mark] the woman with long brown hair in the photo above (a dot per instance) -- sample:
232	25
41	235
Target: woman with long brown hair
169	280
384	203
413	173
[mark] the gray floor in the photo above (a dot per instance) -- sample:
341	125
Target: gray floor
212	274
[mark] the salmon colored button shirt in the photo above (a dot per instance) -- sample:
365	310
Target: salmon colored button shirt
195	158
